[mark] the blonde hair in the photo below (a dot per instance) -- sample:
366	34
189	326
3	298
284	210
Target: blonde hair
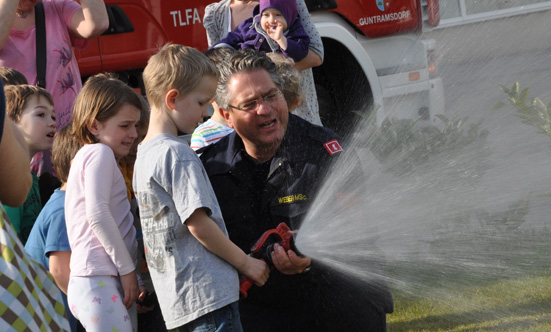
175	67
292	92
11	76
17	98
101	98
63	151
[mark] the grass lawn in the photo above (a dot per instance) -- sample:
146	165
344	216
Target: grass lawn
507	305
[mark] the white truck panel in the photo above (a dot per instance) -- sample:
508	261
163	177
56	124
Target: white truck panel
395	66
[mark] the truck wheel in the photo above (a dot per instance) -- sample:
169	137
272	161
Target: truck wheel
342	88
326	108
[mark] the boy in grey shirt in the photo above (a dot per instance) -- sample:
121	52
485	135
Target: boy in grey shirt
191	259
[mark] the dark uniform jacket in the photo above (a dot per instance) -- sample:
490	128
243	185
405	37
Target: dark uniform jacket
257	197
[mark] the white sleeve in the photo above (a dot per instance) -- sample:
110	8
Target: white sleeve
216	21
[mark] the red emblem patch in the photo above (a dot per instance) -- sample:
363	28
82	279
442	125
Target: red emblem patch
333	147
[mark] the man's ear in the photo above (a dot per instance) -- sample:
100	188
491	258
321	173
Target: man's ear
227	116
170	98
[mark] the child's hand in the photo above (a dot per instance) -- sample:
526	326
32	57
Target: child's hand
257	270
130	287
142	293
144	303
275	31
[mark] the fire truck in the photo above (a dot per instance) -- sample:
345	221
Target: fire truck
375	57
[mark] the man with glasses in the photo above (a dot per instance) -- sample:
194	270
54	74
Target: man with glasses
267	172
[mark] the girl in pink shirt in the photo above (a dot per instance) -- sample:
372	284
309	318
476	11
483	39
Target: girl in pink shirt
103	286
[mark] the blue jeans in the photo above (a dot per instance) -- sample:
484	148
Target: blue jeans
225	319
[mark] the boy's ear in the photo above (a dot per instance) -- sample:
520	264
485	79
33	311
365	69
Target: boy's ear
227	116
170	98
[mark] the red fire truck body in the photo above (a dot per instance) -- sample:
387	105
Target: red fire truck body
374	53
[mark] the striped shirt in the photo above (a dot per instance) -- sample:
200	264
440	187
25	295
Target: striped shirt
208	133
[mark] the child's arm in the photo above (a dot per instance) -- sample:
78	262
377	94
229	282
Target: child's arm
91	20
108	234
276	33
295	44
14	155
100	172
232	40
59	268
236	38
130	287
56	245
210	235
8	9
110	237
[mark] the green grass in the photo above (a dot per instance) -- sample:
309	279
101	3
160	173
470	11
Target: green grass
510	305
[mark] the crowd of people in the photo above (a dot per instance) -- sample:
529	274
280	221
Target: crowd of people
134	197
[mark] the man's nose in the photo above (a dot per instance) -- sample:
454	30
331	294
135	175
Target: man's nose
262	107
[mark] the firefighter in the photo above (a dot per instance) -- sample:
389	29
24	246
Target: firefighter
267	172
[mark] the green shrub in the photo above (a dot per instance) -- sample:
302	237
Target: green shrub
533	112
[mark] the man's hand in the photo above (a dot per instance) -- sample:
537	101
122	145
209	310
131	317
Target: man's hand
288	262
130	287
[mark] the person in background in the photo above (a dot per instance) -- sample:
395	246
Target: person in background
268	171
188	252
215	127
103	285
292	91
47	182
274	27
224	16
48	243
126	163
14	154
28	296
31	108
11	76
68	24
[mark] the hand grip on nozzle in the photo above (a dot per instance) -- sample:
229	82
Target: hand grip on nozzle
263	248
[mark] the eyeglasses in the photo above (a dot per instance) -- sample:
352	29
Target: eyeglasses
270	99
